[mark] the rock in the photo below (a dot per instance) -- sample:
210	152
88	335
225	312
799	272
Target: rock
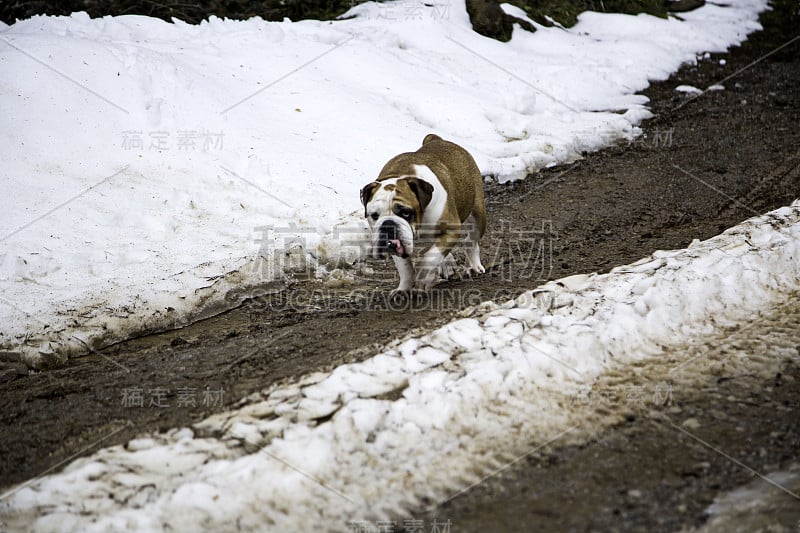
489	19
178	341
690	423
11	368
682	6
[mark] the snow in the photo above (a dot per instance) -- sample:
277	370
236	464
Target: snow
155	171
768	499
688	89
507	386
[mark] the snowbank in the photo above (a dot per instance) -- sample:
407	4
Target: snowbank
429	416
142	160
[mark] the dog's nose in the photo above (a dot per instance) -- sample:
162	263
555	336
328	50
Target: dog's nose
387	233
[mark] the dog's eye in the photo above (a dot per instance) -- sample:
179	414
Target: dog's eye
404	213
374	216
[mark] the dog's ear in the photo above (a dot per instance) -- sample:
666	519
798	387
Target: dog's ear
366	194
423	190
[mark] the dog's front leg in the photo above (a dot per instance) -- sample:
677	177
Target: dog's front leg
406	270
428	267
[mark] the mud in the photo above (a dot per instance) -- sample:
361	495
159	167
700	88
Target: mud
702	166
647	474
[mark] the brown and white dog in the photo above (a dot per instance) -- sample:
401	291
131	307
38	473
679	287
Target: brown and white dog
426	201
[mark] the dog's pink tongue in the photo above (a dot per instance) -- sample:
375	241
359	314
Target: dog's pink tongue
398	247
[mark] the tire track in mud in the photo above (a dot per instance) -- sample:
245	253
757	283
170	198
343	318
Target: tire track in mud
781	181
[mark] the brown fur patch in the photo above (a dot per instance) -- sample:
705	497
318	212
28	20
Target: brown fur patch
407	198
390	187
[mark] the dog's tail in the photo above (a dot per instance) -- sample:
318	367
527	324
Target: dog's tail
430	137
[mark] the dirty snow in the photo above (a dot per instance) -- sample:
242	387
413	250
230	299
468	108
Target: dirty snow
429	416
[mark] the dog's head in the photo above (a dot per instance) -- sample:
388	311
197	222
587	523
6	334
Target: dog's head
394	209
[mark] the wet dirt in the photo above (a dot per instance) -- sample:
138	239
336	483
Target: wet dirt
651	473
702	166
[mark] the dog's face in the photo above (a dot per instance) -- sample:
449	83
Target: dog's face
394	209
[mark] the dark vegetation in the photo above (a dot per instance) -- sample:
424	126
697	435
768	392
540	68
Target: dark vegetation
487	17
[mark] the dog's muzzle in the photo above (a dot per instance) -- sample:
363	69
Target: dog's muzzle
388	240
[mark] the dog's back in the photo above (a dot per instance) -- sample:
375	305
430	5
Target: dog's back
463	173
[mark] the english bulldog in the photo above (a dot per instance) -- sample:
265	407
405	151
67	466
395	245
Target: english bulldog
425	202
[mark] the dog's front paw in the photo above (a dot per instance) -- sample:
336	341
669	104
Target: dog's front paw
399	293
405	299
448	267
476	270
404	289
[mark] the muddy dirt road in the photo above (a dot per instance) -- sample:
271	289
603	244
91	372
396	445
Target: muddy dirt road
702	165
